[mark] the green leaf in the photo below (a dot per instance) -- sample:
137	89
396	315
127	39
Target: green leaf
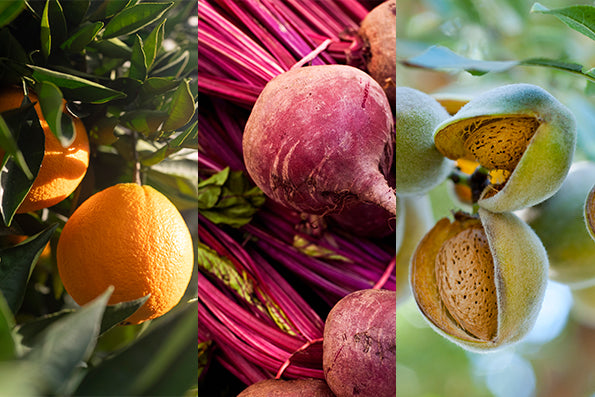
113	48
438	57
580	17
68	342
162	361
177	179
172	65
29	332
19	171
590	88
204	356
82	36
20	378
7	323
116	314
243	284
181	109
11	148
146	122
8	143
138	61
553	63
223	269
76	88
9	10
17	263
158	85
45	34
74	11
104	9
180	14
132	19
228	198
11	48
53	27
51	103
171	147
560	65
153	43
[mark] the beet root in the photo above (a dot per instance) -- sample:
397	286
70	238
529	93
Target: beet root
365	220
378	31
359	345
319	137
288	388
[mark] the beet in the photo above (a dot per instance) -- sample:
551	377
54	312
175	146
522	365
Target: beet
288	388
319	137
378	31
365	220
359	345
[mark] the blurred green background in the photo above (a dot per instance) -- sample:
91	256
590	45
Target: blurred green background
558	357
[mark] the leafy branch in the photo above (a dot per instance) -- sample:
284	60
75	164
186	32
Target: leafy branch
579	18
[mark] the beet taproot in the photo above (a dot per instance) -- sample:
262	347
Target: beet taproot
359	344
378	31
319	137
365	220
288	388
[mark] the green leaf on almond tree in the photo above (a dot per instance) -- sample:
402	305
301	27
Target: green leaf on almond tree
578	17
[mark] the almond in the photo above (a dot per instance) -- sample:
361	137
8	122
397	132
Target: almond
519	132
499	143
479	280
465	278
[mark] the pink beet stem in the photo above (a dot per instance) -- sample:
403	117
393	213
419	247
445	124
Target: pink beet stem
287	362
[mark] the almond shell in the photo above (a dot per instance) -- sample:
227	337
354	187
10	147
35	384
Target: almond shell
520	275
548	155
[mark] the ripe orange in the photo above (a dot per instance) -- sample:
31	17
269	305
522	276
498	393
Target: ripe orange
131	237
62	169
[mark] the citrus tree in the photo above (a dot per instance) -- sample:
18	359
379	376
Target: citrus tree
98	96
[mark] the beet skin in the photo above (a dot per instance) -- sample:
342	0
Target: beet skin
288	388
378	31
359	345
319	137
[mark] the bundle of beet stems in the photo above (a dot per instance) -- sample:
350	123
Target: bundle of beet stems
250	304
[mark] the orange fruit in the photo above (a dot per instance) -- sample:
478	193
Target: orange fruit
62	169
131	237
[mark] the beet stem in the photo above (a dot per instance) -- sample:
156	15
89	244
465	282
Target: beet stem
287	362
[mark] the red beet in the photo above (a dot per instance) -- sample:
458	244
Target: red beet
359	346
365	220
378	31
319	137
288	388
